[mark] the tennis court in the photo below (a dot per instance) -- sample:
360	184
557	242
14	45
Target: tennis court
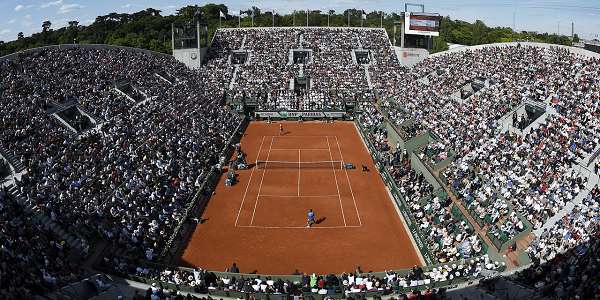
294	174
260	222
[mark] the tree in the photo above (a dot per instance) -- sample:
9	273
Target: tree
149	29
46	26
153	12
439	44
479	33
188	12
212	10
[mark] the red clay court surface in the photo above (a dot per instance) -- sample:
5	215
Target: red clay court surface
260	223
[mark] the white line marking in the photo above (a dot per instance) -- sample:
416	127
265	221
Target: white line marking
299	160
302	196
336	184
302	162
303	149
349	184
248	185
299	227
261	182
299	136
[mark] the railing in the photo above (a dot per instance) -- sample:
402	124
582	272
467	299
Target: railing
336	291
593	157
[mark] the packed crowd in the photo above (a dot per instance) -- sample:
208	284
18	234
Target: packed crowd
327	61
32	259
533	172
131	179
581	225
154	152
489	168
510	179
566	255
300	100
447	237
347	283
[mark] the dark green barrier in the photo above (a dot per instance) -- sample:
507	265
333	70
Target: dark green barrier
420	168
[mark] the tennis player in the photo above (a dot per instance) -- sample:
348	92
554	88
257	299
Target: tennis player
310	218
280	129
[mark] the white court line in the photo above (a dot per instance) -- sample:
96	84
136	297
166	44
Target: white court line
299	160
301	196
261	181
348	178
248	185
336	184
300	227
303	149
298	136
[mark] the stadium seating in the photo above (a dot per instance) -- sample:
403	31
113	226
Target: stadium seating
112	144
150	155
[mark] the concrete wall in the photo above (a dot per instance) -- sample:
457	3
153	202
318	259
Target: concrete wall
409	57
192	58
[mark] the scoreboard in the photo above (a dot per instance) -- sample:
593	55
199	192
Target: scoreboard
422	23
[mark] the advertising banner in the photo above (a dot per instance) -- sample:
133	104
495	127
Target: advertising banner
298	114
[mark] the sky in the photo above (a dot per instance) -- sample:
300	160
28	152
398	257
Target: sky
533	15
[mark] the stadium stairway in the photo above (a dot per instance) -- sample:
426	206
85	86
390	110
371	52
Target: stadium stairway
593	179
75	242
243	44
360	46
589	159
368	76
234	77
16	164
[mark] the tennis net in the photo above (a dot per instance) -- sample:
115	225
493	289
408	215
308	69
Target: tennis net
272	164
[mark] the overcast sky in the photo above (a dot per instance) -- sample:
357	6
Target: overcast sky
536	15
